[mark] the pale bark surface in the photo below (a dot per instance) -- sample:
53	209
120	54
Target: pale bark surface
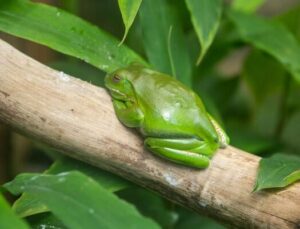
78	118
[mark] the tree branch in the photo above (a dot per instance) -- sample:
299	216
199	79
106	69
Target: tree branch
75	116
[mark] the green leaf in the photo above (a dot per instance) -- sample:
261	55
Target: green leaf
109	181
270	37
205	15
291	132
264	119
78	201
192	220
28	204
248	6
257	70
80	70
129	9
72	6
250	141
65	33
45	221
7	218
277	171
150	205
291	19
164	40
225	88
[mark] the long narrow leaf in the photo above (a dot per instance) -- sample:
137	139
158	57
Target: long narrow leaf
65	33
206	15
270	37
164	41
129	9
79	202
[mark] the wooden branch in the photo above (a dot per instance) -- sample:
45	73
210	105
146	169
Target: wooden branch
78	118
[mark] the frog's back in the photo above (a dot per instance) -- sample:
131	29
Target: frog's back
170	107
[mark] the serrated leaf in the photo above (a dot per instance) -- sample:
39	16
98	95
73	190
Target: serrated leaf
65	33
247	6
28	204
277	171
78	201
205	15
164	40
129	9
270	37
7	218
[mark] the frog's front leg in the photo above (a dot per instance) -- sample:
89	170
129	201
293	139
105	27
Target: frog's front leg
191	152
128	113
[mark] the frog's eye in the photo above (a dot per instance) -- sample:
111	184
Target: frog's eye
116	78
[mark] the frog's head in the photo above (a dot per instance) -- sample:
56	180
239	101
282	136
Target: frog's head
119	84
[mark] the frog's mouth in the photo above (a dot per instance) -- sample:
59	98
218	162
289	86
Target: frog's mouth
117	95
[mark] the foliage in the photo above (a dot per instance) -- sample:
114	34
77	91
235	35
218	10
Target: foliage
7	218
129	9
260	33
28	204
206	18
247	6
278	171
258	104
64	32
80	192
169	53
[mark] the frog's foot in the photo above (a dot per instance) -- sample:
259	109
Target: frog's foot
190	152
223	138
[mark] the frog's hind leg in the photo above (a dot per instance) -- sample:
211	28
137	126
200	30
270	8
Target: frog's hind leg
191	152
223	138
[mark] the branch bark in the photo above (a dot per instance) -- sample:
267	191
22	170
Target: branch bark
78	118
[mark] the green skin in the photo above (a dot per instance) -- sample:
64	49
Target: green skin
170	116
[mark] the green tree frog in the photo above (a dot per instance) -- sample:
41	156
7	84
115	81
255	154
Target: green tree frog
170	116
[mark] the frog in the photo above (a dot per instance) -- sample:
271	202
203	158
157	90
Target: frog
170	116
